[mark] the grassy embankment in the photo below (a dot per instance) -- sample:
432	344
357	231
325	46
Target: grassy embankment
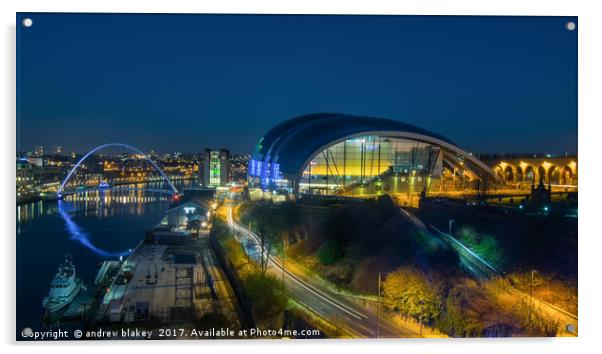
519	245
422	279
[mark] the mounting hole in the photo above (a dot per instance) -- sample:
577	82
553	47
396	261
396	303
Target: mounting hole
27	22
570	328
571	26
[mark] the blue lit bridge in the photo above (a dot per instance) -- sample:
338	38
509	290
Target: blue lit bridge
61	190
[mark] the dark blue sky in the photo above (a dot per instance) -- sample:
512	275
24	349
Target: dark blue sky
186	82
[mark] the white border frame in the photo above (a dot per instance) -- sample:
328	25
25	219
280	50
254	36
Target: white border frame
590	61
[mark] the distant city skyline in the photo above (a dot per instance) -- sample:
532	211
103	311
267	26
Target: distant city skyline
181	83
200	151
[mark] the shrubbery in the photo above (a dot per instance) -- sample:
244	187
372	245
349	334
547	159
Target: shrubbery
266	293
342	241
464	308
329	252
484	245
408	292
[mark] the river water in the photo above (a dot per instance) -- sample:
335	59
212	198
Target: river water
91	226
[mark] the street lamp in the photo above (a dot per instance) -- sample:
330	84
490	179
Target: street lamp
378	307
451	221
531	295
283	257
421	315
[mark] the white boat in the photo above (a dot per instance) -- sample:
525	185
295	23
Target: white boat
64	287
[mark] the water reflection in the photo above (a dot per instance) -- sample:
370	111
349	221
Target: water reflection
95	204
98	204
91	226
102	204
79	235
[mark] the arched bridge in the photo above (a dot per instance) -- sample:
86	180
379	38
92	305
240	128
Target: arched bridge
129	147
553	170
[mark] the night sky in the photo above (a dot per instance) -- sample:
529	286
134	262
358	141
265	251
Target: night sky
187	82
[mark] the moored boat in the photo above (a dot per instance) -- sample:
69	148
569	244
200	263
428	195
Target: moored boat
64	287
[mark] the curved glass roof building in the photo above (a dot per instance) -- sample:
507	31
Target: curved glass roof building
340	154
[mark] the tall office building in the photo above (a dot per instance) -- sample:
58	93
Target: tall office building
57	150
214	168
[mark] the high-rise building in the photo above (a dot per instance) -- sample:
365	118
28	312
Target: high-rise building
57	150
39	151
214	167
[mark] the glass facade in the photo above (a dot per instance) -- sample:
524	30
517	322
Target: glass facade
214	169
347	155
267	176
365	160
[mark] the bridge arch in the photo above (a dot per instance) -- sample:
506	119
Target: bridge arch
541	174
509	174
129	147
554	174
530	175
499	172
520	174
567	175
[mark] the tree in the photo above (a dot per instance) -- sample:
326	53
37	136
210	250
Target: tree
272	224
330	252
287	219
266	231
465	306
267	295
483	185
407	291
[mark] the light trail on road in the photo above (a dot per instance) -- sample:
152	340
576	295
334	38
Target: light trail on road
275	262
358	320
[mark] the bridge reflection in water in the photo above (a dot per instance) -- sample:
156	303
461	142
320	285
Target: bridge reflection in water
92	226
104	198
84	238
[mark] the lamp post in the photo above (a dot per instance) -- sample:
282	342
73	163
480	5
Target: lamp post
421	315
283	257
531	295
378	308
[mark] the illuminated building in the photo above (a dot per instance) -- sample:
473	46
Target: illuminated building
238	168
57	150
25	173
337	154
214	168
36	161
39	151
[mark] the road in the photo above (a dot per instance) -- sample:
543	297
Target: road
353	318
